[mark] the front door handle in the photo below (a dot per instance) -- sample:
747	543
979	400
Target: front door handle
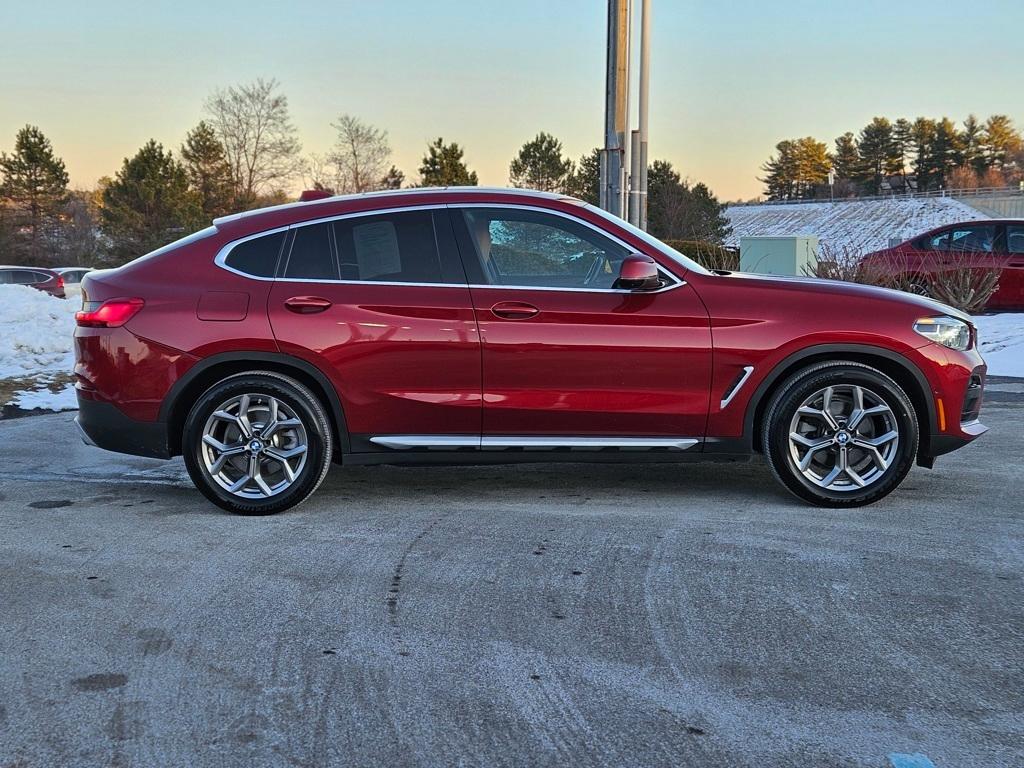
306	305
514	310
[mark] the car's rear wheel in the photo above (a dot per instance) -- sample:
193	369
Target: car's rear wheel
840	434
257	443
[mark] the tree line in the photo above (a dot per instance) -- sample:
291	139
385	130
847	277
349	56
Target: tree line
245	154
887	157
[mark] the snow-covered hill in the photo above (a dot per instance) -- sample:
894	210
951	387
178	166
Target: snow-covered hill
849	224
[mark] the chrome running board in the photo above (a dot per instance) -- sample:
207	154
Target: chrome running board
450	442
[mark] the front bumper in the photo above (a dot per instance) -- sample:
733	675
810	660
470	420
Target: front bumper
104	426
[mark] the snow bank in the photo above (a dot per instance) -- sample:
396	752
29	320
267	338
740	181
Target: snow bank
36	332
1002	342
64	400
857	225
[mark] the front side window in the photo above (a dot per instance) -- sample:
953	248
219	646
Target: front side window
396	247
258	256
532	248
1015	238
964	239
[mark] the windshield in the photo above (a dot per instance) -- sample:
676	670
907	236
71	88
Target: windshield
684	261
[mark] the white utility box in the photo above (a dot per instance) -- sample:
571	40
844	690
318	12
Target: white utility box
778	255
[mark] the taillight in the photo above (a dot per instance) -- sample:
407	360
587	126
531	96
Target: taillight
109	314
60	281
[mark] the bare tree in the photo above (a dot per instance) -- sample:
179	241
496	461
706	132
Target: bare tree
259	139
360	155
318	173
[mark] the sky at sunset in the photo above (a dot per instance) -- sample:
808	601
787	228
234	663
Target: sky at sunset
729	79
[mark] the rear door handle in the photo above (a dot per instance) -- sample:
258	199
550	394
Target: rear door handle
306	305
514	310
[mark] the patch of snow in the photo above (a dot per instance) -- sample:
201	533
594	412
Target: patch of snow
858	225
36	332
44	399
1002	342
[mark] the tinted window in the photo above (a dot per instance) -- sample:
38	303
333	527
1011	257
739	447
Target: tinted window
974	239
530	248
6	276
1015	239
311	256
27	277
257	257
394	247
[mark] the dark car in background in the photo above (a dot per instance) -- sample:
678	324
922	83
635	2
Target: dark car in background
992	244
45	280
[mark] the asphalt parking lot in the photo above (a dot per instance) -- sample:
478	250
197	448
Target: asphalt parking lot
583	615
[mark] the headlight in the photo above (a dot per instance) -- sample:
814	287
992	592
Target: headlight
947	331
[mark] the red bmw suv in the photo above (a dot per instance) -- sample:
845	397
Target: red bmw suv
487	325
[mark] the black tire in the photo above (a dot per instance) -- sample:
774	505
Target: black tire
301	404
844	376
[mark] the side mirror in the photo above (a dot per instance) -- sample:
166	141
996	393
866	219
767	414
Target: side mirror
638	273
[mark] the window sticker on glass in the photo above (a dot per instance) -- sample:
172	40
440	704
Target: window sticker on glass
376	247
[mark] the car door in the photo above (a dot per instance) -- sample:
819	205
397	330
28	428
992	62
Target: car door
1010	294
566	354
379	302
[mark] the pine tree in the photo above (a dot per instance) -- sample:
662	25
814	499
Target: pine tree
35	185
799	168
148	204
208	170
879	154
924	166
677	211
903	145
443	166
1002	141
393	179
540	165
971	141
846	158
585	181
946	151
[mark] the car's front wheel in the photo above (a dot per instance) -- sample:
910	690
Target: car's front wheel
840	434
257	443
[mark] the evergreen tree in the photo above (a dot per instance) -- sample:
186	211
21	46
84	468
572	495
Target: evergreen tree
209	172
879	155
393	179
946	151
846	158
924	138
1002	142
35	184
540	165
585	182
443	166
677	211
800	166
972	141
903	141
148	204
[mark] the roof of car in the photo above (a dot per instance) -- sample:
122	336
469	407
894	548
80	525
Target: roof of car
25	266
395	193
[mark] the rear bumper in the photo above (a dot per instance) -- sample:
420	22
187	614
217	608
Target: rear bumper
104	426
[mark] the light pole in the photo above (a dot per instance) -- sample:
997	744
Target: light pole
616	111
638	150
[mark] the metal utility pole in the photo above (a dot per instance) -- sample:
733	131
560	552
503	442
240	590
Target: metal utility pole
613	157
638	164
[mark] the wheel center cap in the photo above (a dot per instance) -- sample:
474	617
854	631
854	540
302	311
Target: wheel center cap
842	437
256	446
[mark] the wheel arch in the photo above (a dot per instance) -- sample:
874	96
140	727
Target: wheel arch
894	365
209	371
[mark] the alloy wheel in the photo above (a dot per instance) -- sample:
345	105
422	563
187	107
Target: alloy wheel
843	438
254	446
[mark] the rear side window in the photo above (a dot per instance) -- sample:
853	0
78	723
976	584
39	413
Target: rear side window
1015	239
394	247
258	256
311	256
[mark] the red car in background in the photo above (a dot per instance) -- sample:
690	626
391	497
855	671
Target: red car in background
472	325
991	244
45	280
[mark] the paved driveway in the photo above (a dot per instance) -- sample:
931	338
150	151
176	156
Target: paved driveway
577	615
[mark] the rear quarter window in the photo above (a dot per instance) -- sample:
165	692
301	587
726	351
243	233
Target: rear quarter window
257	256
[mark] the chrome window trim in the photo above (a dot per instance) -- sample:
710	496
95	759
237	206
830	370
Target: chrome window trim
747	370
485	442
220	259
